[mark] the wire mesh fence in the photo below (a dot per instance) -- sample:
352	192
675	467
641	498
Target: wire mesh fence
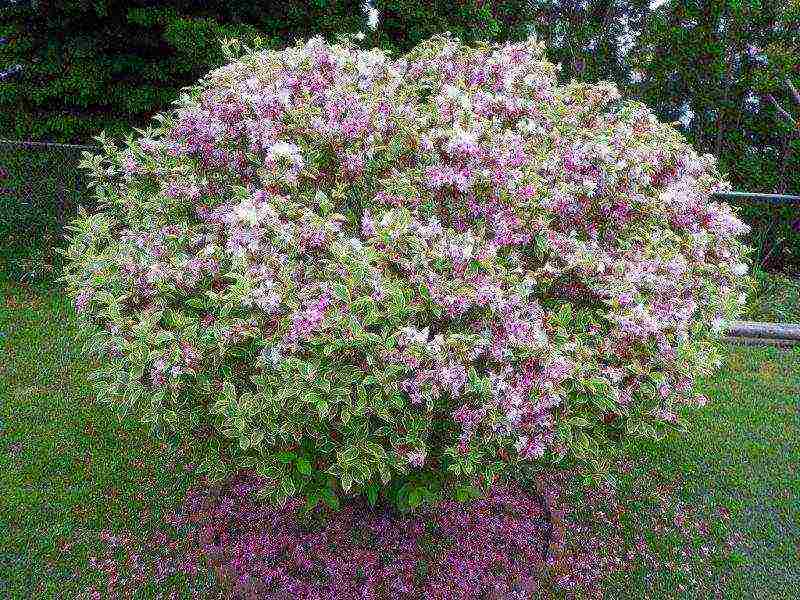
775	223
40	189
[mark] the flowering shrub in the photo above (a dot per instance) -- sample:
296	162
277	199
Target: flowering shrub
355	273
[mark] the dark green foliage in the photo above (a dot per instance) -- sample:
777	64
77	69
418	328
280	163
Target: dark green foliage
89	66
775	298
591	40
404	23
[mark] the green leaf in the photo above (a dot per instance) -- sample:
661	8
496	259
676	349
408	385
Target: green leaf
579	422
285	457
330	498
287	486
195	303
565	314
342	292
464	493
375	450
424	291
229	391
323	408
348	456
386	476
372	493
164	336
303	466
415	497
312	500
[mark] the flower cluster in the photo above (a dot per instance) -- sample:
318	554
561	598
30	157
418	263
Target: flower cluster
443	261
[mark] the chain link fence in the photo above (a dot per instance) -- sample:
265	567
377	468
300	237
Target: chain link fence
40	189
775	223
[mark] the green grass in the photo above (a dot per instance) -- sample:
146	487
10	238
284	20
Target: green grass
69	468
66	463
776	299
742	453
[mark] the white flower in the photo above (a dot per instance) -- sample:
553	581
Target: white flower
539	335
415	335
285	150
468	250
739	269
717	324
272	355
246	212
284	97
530	80
252	83
462	137
452	92
667	197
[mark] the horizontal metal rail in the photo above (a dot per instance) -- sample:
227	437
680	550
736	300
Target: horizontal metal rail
755	341
756	329
755	333
48	144
779	199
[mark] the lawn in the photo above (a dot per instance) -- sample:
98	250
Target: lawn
775	299
70	469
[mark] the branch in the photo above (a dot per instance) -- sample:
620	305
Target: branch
783	113
794	91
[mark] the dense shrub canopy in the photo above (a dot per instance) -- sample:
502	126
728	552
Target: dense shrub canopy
355	267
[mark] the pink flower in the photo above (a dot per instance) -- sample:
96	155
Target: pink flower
625	299
82	300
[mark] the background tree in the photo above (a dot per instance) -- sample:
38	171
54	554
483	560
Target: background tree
403	24
714	64
591	39
87	66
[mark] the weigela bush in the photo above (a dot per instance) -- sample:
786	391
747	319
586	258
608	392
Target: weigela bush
332	266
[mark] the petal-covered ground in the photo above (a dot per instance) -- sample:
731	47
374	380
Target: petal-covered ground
89	501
